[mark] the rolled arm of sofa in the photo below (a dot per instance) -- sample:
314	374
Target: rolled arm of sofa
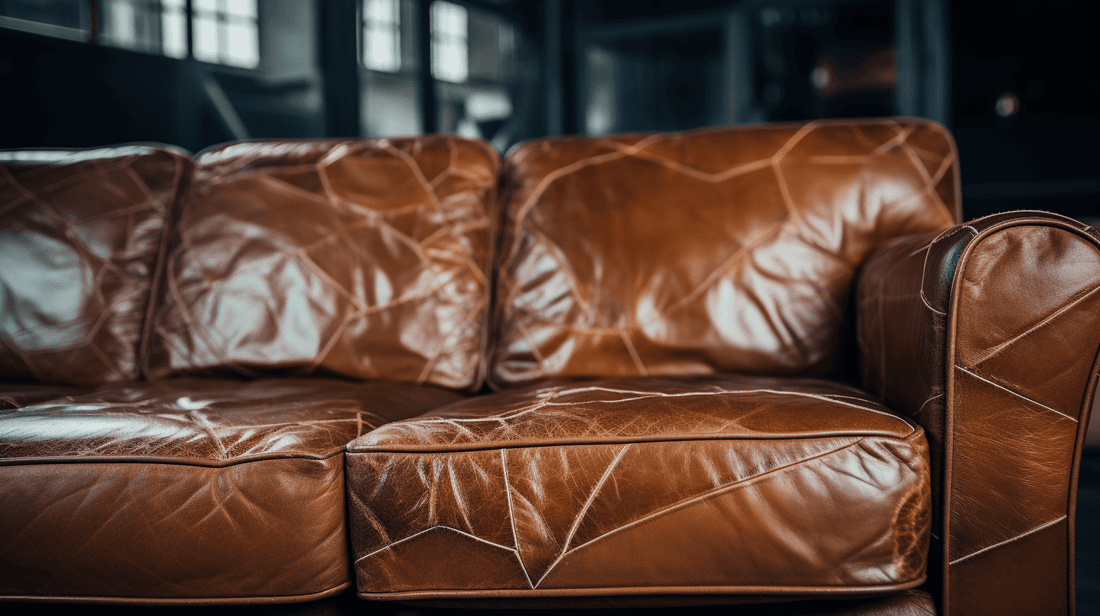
987	334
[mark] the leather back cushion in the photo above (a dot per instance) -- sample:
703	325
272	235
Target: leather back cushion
726	249
362	258
80	232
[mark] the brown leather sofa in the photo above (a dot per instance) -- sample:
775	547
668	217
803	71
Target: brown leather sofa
761	365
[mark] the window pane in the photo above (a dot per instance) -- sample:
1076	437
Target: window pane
118	23
243	48
488	78
449	53
242	8
206	38
174	32
384	11
390	98
205	6
381	35
380	52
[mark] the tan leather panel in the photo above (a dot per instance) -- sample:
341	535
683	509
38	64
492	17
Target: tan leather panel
727	249
80	232
1005	427
641	409
1054	278
172	531
643	486
1029	579
363	258
1050	276
197	489
210	421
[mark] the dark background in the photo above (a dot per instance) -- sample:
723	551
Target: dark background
596	67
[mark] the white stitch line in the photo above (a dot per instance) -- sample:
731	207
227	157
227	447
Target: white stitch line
427	530
1009	540
925	403
715	492
512	515
1018	395
584	510
1044	321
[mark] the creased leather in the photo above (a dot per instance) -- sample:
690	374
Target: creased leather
203	489
987	334
80	231
363	258
719	250
712	485
210	421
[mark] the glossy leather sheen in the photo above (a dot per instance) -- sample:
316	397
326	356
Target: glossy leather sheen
726	249
192	490
80	232
652	486
362	258
988	335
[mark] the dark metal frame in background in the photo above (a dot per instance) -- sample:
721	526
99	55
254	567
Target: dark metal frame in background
921	37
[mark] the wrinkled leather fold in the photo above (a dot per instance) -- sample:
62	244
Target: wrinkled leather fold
80	233
987	334
660	486
363	258
710	251
186	490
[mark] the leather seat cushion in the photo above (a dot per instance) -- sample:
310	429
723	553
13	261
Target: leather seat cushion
186	490
659	486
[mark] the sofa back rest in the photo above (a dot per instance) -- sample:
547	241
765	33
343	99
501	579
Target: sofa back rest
80	232
726	249
363	258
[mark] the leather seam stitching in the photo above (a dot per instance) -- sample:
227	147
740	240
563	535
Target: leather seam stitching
1039	528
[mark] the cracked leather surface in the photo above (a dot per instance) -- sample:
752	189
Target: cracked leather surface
362	258
709	485
742	244
80	232
200	489
987	334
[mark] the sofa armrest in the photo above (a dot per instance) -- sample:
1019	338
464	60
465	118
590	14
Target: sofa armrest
987	334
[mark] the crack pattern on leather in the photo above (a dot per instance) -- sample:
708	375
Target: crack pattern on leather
610	410
363	258
79	236
1024	350
165	532
741	243
187	488
210	421
728	483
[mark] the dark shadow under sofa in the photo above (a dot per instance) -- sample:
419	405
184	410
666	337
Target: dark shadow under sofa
753	370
